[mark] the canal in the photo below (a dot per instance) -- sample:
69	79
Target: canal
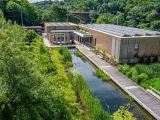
110	96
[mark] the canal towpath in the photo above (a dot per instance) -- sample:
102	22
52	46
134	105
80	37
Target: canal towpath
140	95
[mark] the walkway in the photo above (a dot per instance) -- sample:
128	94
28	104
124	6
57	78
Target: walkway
147	101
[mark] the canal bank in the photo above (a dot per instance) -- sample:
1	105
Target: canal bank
111	98
148	102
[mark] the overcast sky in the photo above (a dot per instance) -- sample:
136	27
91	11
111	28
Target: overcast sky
33	1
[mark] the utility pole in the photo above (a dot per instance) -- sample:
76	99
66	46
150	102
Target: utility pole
117	18
21	16
67	15
21	13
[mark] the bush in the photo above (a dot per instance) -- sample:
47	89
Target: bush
134	76
65	53
78	54
125	68
155	60
119	68
141	60
99	73
148	60
142	77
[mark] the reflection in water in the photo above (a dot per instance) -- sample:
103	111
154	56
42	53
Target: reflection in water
110	97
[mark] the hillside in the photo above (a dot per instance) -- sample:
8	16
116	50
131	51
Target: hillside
142	14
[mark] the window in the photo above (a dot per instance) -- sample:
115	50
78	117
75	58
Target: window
136	46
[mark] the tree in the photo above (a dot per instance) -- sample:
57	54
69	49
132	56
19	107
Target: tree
152	16
31	35
93	16
59	13
14	9
106	18
1	5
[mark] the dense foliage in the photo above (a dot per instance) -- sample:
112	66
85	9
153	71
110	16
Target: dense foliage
32	85
144	75
136	13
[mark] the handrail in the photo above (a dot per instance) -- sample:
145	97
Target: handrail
154	90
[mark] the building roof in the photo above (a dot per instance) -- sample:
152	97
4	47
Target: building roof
32	27
64	31
60	24
121	31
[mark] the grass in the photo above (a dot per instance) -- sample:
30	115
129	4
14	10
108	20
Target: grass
81	31
99	73
91	105
78	54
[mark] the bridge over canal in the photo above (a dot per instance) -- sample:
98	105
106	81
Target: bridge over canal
146	100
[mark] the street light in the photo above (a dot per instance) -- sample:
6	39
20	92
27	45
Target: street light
21	13
21	16
117	17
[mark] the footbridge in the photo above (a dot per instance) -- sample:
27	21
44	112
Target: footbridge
84	16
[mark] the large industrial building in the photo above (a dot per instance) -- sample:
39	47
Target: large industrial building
125	44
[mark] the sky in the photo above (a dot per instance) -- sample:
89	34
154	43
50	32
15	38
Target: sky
33	1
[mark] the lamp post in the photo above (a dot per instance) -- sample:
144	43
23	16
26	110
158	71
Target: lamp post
117	17
21	16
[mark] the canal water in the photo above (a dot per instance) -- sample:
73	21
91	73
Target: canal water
111	98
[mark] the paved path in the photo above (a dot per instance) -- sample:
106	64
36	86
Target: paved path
147	101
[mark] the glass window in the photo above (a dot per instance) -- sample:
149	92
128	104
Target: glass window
136	46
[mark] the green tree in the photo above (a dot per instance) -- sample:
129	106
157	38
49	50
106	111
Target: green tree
155	25
14	9
59	13
31	35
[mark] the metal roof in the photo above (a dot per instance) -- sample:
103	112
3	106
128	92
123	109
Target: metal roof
122	31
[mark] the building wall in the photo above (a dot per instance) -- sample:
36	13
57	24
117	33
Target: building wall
148	46
124	48
101	40
49	28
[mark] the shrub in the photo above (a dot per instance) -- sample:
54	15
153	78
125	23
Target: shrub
155	60
142	77
148	60
119	68
99	73
134	76
141	60
78	54
125	68
129	74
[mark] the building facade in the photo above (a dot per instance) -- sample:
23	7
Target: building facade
125	44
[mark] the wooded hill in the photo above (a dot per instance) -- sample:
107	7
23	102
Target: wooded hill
136	13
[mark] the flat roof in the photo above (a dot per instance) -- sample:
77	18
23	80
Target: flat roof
64	31
61	24
33	27
121	31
